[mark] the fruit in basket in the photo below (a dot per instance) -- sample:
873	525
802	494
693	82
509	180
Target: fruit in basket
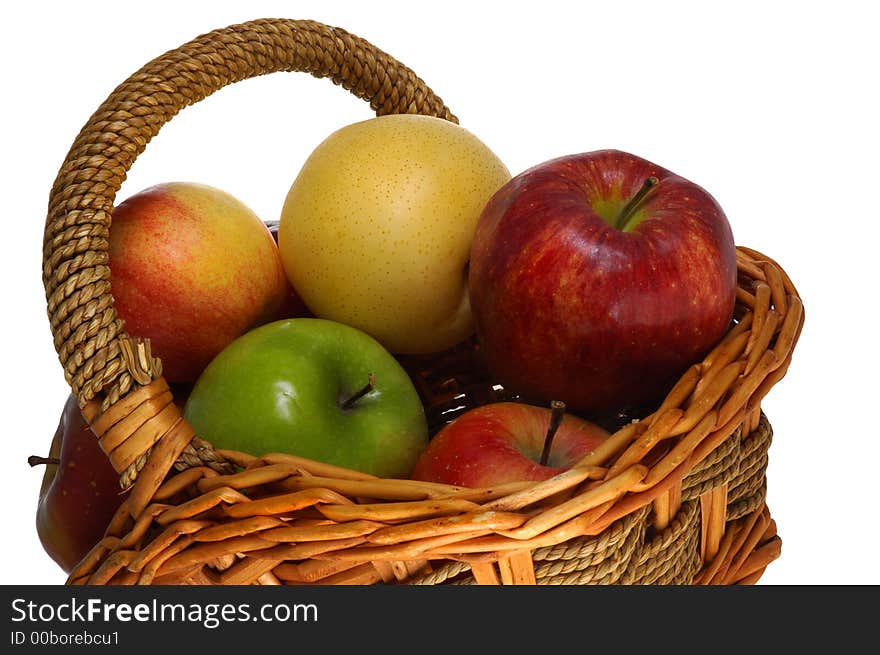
292	306
505	442
79	493
192	268
376	228
314	388
598	278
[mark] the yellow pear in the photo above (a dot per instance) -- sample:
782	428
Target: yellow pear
376	229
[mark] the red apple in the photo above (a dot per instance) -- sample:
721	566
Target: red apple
505	442
598	278
192	268
80	491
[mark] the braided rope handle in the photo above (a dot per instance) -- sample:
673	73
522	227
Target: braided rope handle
102	363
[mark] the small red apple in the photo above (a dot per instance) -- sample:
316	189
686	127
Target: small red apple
507	442
80	491
192	268
598	278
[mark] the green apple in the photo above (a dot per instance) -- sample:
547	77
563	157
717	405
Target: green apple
314	388
375	230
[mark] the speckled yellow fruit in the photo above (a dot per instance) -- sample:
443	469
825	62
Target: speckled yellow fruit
376	229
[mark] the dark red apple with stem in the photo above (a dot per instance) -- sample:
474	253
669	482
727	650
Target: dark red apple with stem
507	442
598	278
79	493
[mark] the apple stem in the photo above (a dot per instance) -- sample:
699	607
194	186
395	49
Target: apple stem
36	460
367	388
634	202
557	411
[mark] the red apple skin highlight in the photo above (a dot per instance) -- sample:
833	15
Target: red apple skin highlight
502	442
79	496
192	268
569	307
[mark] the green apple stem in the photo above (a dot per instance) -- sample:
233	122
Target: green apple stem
557	411
36	460
630	208
367	388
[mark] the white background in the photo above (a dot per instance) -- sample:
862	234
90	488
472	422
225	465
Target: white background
769	106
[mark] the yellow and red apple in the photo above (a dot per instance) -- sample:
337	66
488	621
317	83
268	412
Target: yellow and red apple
192	268
376	228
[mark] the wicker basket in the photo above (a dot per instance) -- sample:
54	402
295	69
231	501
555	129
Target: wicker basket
674	497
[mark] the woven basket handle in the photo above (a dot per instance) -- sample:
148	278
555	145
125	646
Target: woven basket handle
102	364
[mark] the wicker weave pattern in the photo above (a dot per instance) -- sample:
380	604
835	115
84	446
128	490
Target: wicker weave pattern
674	497
673	555
718	468
748	488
